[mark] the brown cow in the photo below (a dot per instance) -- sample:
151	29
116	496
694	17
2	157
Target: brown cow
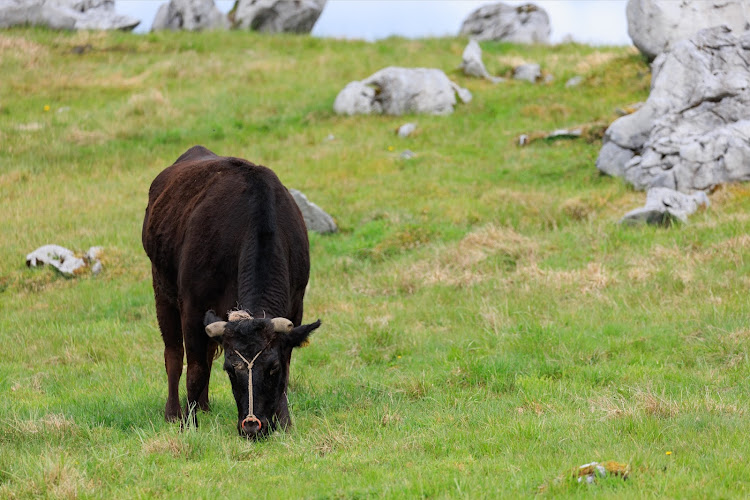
222	232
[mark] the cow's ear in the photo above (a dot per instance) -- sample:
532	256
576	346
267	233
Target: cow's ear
210	317
215	327
299	334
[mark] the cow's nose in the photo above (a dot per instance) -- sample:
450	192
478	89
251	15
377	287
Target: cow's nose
250	427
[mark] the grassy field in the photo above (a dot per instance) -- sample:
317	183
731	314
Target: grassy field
487	325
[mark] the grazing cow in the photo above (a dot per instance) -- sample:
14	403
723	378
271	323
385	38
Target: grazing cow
222	232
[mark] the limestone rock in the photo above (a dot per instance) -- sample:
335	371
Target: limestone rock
65	260
693	133
398	91
665	206
65	14
189	15
654	25
528	72
526	23
315	218
277	16
406	129
357	98
472	64
574	81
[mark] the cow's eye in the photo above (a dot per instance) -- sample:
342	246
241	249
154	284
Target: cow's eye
274	369
238	366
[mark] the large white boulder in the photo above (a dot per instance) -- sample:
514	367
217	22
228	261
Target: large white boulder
398	91
693	133
526	23
65	14
189	15
654	25
277	16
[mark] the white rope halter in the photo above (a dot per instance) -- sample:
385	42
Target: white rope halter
250	415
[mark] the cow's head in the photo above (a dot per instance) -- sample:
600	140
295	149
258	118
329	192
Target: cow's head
267	345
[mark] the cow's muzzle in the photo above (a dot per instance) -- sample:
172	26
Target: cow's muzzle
252	427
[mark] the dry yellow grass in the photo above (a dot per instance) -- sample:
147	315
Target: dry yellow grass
454	265
169	444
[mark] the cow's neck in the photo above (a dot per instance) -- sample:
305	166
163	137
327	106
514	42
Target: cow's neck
261	305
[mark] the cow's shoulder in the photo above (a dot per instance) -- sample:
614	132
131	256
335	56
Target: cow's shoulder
196	153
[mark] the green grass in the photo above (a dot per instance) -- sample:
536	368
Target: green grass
487	324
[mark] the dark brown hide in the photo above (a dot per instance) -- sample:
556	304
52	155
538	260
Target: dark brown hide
221	232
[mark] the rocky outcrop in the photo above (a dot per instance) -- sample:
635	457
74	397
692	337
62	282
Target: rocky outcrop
277	16
398	91
316	219
472	64
189	15
518	23
654	25
693	133
65	14
666	206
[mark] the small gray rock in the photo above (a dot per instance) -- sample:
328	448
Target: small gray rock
406	129
528	72
574	82
96	267
408	154
315	218
666	206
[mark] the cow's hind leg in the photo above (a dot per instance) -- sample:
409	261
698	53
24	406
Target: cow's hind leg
171	332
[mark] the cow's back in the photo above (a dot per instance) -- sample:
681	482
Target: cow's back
221	230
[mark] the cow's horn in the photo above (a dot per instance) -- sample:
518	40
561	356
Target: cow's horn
216	329
282	325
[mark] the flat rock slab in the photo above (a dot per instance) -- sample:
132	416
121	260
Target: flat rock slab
65	260
665	206
65	14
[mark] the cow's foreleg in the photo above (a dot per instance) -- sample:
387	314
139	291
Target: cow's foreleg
210	355
198	368
171	332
